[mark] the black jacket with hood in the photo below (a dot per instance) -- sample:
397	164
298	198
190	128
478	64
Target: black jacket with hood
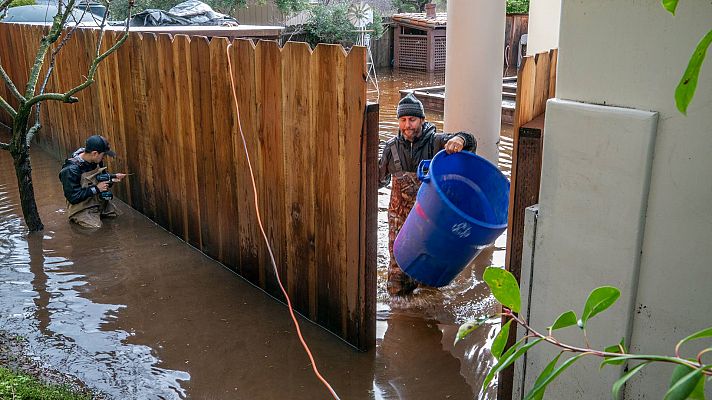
71	177
411	153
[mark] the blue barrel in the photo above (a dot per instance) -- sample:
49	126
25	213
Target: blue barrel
461	208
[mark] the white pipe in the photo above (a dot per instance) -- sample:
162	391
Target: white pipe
473	71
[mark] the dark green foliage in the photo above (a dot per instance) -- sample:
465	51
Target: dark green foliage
119	8
376	27
329	24
23	387
517	6
402	6
17	3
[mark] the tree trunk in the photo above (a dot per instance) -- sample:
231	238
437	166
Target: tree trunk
23	171
20	151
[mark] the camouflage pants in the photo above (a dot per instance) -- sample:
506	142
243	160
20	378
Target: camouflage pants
89	212
403	193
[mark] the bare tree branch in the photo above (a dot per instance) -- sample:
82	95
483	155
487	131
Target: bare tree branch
60	19
4	6
32	132
68	97
53	60
7	107
10	84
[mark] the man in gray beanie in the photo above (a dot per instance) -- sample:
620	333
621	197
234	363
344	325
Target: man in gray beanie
416	141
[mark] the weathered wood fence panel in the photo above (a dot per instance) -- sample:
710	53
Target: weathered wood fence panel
166	105
536	83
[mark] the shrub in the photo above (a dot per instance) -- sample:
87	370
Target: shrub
517	6
329	24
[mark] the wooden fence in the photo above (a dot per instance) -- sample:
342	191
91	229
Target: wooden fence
260	14
536	83
516	25
165	104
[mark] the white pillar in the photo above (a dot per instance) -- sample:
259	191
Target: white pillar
473	71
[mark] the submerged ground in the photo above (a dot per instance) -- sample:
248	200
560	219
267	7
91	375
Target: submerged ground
134	312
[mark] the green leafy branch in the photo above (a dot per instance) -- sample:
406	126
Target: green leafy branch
688	377
685	90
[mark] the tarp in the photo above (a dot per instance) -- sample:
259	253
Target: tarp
191	12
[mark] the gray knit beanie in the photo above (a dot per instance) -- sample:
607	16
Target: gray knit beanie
410	106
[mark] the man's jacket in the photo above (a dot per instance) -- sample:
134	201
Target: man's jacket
411	153
71	177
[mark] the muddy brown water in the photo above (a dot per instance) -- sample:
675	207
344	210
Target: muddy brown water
137	314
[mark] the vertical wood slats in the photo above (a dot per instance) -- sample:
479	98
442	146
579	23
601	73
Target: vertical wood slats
165	103
536	83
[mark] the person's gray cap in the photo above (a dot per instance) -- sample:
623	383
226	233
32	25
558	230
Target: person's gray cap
410	106
100	144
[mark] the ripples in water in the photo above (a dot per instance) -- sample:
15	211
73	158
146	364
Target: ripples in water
42	302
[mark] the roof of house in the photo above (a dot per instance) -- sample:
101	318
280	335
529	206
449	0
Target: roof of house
419	19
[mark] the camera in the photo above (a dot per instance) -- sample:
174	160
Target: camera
106	177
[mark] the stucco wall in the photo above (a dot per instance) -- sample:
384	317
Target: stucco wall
543	25
631	55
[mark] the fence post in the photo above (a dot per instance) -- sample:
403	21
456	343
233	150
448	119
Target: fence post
369	227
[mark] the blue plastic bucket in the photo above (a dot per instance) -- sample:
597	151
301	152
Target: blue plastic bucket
461	208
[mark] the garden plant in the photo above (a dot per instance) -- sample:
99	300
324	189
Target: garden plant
686	382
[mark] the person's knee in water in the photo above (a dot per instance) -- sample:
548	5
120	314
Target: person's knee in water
86	183
417	140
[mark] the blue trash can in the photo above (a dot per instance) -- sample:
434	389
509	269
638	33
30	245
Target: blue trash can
461	208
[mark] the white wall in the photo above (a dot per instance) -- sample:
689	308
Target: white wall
473	71
543	28
631	54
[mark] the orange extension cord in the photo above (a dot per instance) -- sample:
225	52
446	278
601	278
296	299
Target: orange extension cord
264	235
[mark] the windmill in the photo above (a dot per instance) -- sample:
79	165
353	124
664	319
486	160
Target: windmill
360	15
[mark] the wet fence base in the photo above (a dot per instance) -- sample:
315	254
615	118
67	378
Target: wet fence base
166	106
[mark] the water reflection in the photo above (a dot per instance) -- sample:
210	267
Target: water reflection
42	302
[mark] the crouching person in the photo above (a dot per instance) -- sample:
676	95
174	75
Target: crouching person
86	184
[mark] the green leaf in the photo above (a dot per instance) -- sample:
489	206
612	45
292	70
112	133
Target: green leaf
599	300
539	388
616	348
469	327
564	320
699	392
683	381
685	90
504	287
670	5
501	340
546	372
507	359
620	382
705	333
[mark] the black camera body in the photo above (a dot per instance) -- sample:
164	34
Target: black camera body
106	177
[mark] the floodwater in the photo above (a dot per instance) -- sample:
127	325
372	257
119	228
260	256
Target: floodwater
136	313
